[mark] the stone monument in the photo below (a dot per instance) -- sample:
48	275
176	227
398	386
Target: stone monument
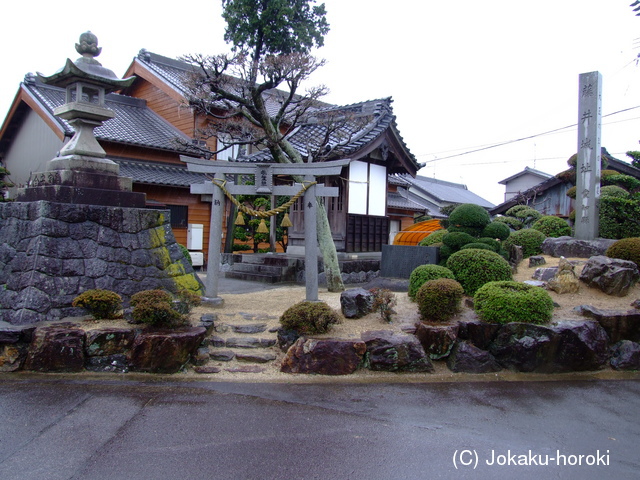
78	226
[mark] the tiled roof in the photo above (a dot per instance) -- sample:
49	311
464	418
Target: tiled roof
397	200
443	191
349	129
134	123
158	173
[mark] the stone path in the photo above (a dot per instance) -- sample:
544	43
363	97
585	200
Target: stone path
238	343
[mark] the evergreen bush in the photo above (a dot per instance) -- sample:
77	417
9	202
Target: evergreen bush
529	239
497	229
155	307
433	237
512	222
626	249
552	226
481	246
475	267
422	274
455	240
438	300
101	304
618	217
613	191
509	301
469	218
309	318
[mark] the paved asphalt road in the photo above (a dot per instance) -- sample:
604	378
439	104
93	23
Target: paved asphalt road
77	427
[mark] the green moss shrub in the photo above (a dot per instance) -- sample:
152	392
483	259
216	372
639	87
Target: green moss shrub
529	239
552	226
433	237
625	249
186	253
469	218
309	318
475	267
508	301
495	229
438	300
422	274
101	304
155	307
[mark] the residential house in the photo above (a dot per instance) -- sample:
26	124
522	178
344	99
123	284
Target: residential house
522	181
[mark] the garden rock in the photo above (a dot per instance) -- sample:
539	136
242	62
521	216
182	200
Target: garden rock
255	357
15	333
580	346
618	325
625	355
108	341
356	302
324	356
522	347
109	363
437	340
536	261
611	275
394	352
286	338
572	247
165	351
12	356
565	280
56	348
545	274
478	333
467	358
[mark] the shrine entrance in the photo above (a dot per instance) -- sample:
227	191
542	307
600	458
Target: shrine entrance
264	185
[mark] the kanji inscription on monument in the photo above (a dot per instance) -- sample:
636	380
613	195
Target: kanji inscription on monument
589	156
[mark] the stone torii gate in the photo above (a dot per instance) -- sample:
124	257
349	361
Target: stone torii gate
264	173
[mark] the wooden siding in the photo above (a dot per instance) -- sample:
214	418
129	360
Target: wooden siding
366	233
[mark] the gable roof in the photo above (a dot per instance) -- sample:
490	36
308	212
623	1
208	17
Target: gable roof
441	191
526	171
134	123
353	131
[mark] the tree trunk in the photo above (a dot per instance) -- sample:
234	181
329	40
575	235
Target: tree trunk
328	250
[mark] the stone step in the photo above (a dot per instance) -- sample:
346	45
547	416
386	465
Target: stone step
245	356
241	342
257	268
254	277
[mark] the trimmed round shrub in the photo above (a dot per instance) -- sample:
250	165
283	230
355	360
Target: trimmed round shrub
481	246
455	240
529	239
627	182
552	226
571	193
474	267
423	274
626	249
615	213
433	237
495	245
309	318
508	301
438	300
155	307
512	222
526	215
495	229
469	218
101	304
613	191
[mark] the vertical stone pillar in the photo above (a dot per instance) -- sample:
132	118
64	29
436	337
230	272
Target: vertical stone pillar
311	241
589	156
215	242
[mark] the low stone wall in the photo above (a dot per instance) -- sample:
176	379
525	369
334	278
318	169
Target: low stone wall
68	347
52	252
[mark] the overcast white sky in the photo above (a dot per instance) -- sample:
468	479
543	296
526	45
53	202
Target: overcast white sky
463	74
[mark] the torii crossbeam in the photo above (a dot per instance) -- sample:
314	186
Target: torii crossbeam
264	186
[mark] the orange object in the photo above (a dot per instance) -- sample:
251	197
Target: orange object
416	232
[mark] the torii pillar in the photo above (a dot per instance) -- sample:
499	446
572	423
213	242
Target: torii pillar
264	185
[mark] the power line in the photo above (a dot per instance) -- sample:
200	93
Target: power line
501	144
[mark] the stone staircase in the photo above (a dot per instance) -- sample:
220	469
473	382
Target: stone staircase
267	268
238	342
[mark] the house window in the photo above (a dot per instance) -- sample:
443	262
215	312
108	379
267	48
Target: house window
367	189
230	153
179	215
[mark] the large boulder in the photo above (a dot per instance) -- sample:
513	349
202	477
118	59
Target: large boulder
395	352
565	279
574	248
625	355
56	348
108	341
437	340
467	358
618	325
566	346
478	333
165	351
611	275
356	302
324	356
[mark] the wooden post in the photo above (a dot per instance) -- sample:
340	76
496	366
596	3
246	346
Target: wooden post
311	241
589	157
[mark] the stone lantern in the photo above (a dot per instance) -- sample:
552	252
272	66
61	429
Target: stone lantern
81	173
